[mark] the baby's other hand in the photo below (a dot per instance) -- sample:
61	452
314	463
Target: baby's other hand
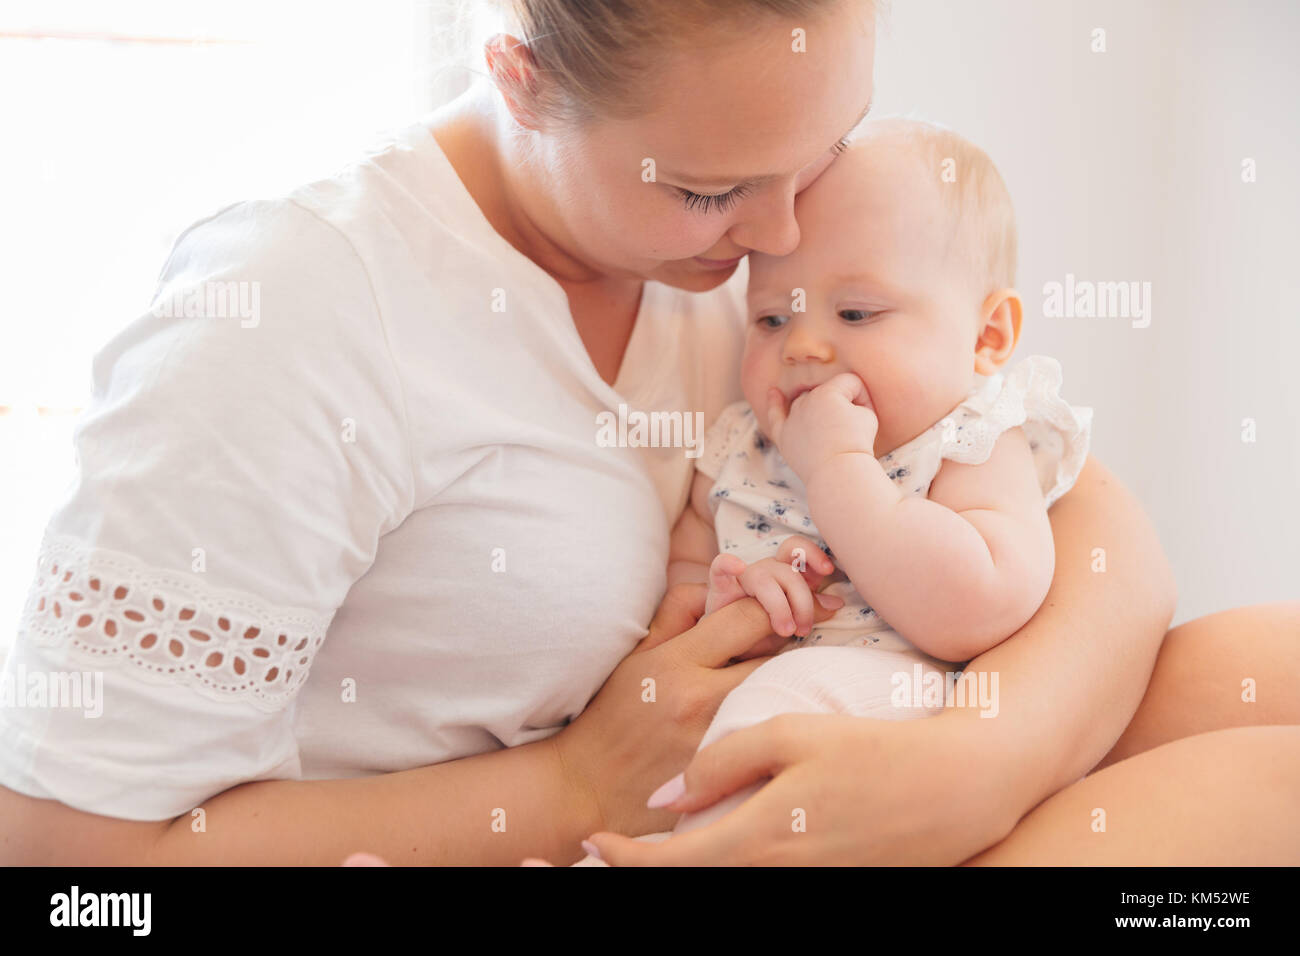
785	595
724	582
803	555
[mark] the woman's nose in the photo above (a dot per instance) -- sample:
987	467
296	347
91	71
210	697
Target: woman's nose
804	345
768	225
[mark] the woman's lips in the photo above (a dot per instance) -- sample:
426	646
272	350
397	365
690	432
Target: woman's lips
717	263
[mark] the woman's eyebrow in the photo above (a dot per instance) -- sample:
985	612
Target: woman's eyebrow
722	182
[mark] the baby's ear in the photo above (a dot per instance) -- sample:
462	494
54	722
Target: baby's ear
999	330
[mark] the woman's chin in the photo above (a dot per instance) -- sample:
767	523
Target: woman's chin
690	275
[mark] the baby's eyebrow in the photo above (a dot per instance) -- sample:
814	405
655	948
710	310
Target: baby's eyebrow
721	182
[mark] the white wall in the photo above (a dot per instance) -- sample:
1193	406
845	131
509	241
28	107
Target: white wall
1127	165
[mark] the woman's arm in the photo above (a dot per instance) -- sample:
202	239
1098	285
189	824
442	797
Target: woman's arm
1068	683
429	815
537	799
1070	680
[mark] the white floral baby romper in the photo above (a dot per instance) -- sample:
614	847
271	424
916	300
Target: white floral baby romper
758	501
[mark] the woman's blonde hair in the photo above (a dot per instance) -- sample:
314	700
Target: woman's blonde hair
596	58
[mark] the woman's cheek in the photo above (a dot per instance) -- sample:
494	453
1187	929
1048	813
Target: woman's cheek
678	236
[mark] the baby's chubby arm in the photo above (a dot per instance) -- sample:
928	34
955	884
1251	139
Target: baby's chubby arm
693	544
955	573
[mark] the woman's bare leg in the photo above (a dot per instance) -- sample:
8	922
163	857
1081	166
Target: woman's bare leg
1199	679
1224	798
1202	775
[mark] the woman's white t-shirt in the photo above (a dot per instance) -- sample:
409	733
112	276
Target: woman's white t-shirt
346	501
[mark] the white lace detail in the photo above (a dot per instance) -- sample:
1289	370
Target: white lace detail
112	609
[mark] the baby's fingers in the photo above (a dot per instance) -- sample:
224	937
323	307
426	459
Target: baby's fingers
802	554
776	413
772	596
724	582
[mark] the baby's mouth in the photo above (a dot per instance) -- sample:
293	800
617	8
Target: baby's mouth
791	396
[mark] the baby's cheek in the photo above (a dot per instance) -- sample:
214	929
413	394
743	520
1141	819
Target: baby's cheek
756	377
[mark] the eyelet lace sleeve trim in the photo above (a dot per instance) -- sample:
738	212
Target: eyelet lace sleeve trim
113	610
1030	396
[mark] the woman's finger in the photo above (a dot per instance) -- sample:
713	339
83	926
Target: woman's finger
725	633
742	757
719	844
681	608
729	632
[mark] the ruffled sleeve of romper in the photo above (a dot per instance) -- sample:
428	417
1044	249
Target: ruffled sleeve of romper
1029	396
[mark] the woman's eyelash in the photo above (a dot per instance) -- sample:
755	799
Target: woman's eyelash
709	203
724	201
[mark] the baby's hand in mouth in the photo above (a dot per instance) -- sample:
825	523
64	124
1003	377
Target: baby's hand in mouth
836	417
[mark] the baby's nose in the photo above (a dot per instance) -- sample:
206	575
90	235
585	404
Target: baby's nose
800	346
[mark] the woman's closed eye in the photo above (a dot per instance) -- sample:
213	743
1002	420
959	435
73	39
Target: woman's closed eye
713	202
721	202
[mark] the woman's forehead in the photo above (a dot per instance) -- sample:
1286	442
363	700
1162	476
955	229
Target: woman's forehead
755	107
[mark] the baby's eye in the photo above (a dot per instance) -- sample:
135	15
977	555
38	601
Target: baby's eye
856	315
773	321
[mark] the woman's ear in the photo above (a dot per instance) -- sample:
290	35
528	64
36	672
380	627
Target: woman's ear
999	330
513	71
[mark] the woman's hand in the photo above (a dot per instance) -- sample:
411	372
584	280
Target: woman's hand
843	790
649	717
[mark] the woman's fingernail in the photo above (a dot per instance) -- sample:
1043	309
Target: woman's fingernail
830	601
592	850
668	793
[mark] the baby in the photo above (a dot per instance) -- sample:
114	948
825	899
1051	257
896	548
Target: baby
881	463
880	457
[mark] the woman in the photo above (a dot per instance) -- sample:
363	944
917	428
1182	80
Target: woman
397	450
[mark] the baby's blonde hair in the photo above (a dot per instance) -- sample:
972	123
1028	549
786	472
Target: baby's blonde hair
983	217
